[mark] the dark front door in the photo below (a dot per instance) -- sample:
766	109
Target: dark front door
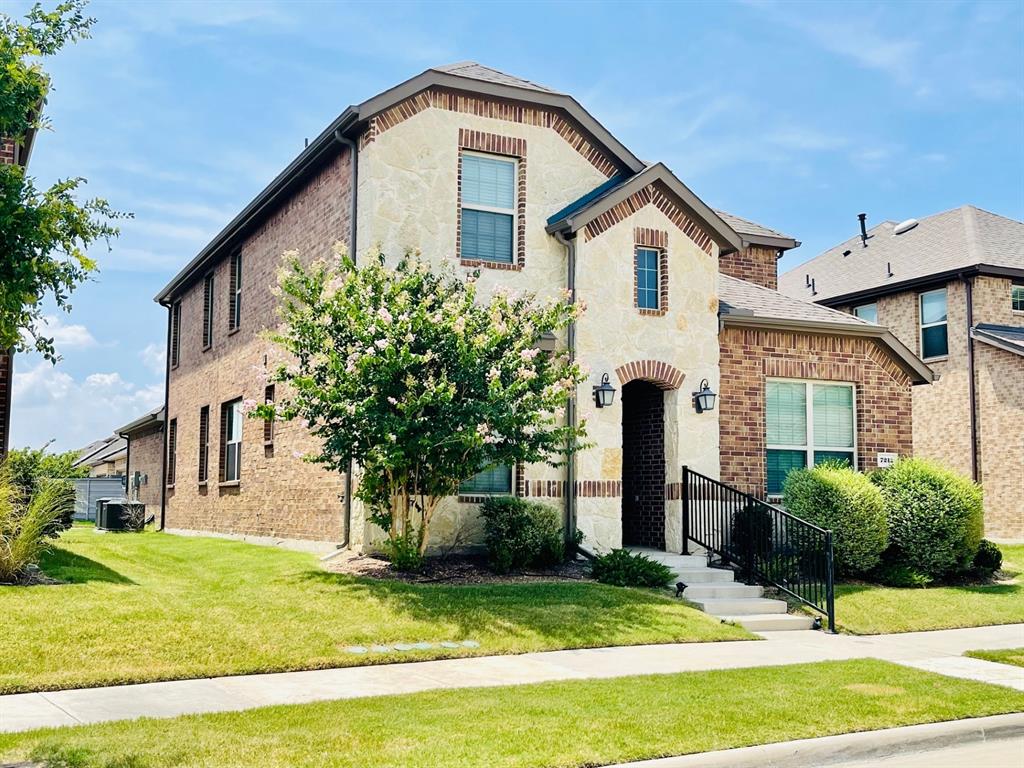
643	465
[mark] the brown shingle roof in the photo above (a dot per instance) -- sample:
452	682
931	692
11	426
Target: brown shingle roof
958	239
476	71
747	227
742	298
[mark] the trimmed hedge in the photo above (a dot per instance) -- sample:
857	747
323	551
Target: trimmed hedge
521	534
625	569
838	498
935	517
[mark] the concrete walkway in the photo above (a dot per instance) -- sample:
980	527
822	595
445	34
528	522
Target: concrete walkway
935	651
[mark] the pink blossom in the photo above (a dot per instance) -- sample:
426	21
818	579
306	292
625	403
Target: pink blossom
529	354
382	343
297	454
392	401
384	315
248	405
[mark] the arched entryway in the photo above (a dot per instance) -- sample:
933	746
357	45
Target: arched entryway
643	464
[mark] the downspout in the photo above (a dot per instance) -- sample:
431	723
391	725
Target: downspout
972	394
353	149
570	407
167	394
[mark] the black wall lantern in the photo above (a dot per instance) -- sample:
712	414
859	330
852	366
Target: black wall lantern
604	395
704	399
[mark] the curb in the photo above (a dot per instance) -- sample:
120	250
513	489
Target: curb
866	745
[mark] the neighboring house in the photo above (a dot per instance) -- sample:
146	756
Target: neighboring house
104	458
951	287
145	459
10	154
488	172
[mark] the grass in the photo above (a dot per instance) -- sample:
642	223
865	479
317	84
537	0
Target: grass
1014	656
866	609
143	607
576	723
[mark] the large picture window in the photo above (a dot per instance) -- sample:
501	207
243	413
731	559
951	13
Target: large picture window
488	201
231	441
495	480
807	422
934	330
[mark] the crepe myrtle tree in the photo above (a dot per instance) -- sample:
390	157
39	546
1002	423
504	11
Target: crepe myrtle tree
420	380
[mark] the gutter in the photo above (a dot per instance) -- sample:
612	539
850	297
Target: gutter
353	183
167	394
570	407
972	395
925	281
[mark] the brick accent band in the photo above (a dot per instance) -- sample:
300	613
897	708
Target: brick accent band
644	237
497	109
662	375
658	195
495	144
650	238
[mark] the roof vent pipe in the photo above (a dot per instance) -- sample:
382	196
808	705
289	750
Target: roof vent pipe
814	290
863	218
807	278
888	268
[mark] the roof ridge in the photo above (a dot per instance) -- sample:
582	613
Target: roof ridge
845	315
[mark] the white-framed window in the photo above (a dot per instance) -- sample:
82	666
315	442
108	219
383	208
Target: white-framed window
648	278
231	441
807	422
934	329
493	481
868	312
1017	297
488	201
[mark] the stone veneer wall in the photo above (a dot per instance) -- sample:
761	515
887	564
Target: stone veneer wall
756	264
146	455
279	494
751	355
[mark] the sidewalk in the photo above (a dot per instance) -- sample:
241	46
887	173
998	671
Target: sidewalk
938	651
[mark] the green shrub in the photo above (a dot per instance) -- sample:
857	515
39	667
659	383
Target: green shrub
404	552
935	517
989	558
840	499
625	569
751	534
521	534
25	523
32	468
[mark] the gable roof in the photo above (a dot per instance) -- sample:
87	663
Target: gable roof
965	239
108	449
146	420
745	304
578	214
1008	337
464	76
758	234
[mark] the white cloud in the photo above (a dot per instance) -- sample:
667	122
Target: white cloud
64	337
50	404
154	357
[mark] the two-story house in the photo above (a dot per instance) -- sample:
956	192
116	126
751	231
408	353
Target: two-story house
489	172
951	287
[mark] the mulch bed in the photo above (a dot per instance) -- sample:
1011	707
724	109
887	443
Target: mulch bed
452	569
30	578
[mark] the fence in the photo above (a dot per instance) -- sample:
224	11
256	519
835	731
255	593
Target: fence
89	489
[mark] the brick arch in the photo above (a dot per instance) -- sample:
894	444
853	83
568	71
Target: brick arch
662	375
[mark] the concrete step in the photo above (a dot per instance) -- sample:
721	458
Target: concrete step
771	622
742	606
704	576
726	590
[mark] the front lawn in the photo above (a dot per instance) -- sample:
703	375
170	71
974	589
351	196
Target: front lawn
867	609
1014	656
575	723
142	607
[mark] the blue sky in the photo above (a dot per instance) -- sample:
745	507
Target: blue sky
798	116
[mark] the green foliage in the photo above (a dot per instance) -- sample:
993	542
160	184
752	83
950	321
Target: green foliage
894	574
935	517
751	533
625	569
419	380
32	468
838	498
43	235
26	523
521	534
988	558
403	551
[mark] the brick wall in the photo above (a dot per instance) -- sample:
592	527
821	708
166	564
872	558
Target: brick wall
1000	396
278	494
755	264
750	355
146	455
643	465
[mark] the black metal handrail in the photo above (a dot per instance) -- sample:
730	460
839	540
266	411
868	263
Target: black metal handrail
766	543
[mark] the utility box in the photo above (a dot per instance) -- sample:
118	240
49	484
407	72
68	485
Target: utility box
118	515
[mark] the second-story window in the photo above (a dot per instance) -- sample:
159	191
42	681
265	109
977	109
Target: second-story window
867	312
648	280
934	331
175	333
488	208
235	291
1017	297
208	311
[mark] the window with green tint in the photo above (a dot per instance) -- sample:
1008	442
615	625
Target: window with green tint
833	416
779	464
786	417
844	456
488	198
867	312
1017	298
934	329
493	480
647	278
